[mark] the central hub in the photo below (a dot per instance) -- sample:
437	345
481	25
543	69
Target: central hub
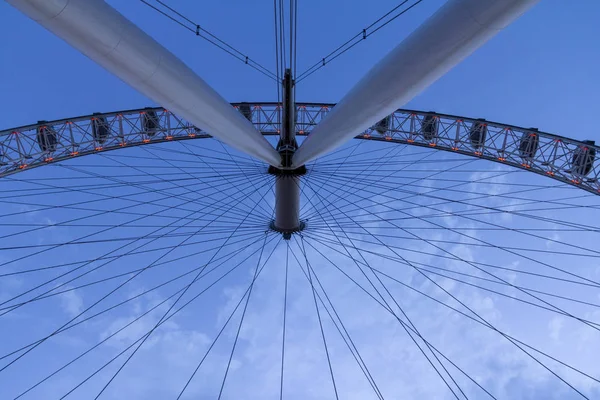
287	180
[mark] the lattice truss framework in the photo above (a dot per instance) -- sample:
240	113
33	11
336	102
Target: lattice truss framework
557	157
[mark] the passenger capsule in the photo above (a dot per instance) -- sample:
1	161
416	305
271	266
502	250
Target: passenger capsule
246	111
583	158
530	142
477	133
100	129
46	137
382	126
150	123
429	127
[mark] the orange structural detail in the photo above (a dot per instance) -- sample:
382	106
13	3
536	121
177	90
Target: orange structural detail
410	140
99	148
169	137
74	153
525	165
501	158
550	173
48	159
122	144
388	138
432	144
192	135
146	140
478	153
22	166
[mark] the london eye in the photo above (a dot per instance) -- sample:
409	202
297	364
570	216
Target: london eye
356	249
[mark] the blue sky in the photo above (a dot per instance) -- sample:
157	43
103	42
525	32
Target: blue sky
540	72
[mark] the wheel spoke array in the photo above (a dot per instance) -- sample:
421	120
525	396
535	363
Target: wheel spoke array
151	272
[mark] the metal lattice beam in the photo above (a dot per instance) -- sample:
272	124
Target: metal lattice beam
567	160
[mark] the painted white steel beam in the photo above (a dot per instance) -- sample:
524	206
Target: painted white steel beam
456	30
104	35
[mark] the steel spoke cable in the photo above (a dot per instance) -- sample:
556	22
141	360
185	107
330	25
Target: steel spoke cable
484	270
169	310
53	291
239	328
126	301
416	161
140	316
241	159
189	164
456	242
405	249
348	155
118	210
412	338
345	335
111	292
320	324
170	249
408	263
145	334
195	177
432	349
244	295
263	212
397	317
470	317
325	238
491	326
356	39
497	209
361	181
310	215
342	189
482	322
116	226
373	162
130	253
212	39
486	195
285	295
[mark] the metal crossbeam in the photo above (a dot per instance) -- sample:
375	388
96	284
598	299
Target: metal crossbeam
567	160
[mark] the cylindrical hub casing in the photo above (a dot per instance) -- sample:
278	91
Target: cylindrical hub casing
287	203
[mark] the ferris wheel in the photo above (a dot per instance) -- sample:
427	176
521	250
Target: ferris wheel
207	249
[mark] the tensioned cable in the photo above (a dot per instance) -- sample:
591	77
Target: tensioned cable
168	311
486	323
407	332
337	322
245	309
356	39
223	260
472	264
227	321
340	188
209	37
105	296
439	302
405	261
490	325
320	325
285	296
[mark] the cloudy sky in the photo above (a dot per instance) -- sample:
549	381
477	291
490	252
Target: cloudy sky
488	294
